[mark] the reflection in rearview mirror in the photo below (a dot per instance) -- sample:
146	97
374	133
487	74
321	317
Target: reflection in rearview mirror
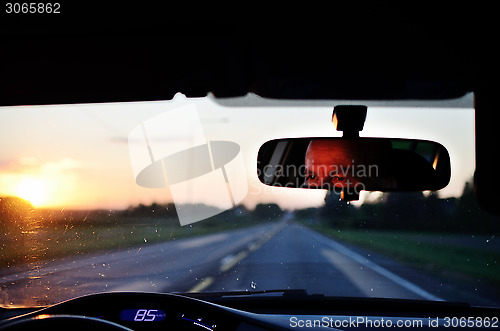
351	165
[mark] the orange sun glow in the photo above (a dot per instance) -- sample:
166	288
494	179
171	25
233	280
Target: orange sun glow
35	190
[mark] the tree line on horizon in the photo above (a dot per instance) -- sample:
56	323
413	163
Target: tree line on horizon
392	210
408	211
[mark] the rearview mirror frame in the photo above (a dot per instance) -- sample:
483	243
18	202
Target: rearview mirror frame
387	164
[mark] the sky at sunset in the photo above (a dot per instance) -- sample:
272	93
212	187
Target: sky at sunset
77	156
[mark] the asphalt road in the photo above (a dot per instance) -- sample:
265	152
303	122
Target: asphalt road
281	255
299	258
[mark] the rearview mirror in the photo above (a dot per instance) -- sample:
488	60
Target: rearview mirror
350	165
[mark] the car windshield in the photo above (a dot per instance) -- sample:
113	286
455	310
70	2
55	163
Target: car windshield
165	197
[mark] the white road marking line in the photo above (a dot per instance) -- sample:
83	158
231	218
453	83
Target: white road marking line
378	269
233	261
230	261
202	285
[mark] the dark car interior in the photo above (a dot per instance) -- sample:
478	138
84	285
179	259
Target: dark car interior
371	51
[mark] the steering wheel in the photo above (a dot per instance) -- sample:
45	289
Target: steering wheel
62	322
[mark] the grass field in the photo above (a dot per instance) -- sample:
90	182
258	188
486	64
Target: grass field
428	251
46	239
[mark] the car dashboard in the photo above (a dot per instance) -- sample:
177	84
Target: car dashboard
154	311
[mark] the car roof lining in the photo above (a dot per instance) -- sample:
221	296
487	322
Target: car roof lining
356	51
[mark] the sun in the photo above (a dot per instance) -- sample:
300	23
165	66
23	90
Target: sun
35	190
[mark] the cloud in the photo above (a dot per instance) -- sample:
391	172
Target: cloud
7	165
64	164
23	164
29	164
168	139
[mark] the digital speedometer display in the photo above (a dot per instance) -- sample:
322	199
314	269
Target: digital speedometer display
142	315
